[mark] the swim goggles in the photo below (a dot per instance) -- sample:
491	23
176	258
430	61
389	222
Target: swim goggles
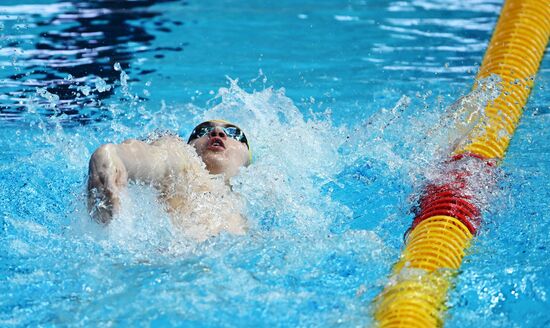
231	130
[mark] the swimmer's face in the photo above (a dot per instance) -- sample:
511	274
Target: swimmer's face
222	147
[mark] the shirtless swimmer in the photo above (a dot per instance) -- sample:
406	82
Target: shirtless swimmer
176	170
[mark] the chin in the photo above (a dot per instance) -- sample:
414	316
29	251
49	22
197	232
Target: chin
213	156
215	162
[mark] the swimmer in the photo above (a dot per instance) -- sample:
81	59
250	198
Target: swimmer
186	176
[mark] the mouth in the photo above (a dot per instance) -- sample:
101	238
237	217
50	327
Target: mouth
216	144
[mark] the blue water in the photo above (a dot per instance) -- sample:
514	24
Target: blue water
339	100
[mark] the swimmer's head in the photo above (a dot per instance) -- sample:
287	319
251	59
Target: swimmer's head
222	146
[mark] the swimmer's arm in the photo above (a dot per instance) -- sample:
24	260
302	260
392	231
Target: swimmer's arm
113	165
147	163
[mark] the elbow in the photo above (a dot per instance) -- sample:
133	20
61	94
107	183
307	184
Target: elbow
98	166
106	177
102	156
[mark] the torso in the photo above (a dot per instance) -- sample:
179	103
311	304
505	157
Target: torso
201	204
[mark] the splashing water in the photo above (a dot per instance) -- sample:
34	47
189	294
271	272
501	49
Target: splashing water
456	126
300	254
293	256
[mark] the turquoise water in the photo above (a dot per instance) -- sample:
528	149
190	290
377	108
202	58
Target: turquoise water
339	101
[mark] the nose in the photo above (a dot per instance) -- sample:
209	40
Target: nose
218	132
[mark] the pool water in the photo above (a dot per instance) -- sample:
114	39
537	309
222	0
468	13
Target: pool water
344	103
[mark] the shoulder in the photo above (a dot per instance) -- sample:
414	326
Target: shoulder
178	153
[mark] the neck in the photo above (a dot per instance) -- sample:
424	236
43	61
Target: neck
227	172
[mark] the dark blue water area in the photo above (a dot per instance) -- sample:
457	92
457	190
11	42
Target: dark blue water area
336	52
339	100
